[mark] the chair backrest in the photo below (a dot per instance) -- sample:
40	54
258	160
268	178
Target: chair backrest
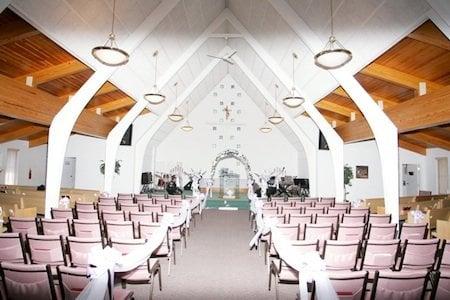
72	281
87	228
27	281
341	255
319	232
382	231
329	200
380	254
23	225
291	210
337	211
109	200
359	211
419	254
300	221
106	207
350	231
119	229
113	215
348	285
141	217
142	201
84	205
444	259
125	195
79	249
302	204
126	201
12	248
345	205
147	230
323	205
314	210
311	200
327	219
55	227
354	218
399	285
174	209
127	208
163	201
266	211
413	231
274	199
141	196
46	249
87	214
282	203
443	287
380	218
156	208
298	248
281	219
61	213
125	246
289	231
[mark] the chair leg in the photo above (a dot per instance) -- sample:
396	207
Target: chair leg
174	254
277	292
159	279
270	280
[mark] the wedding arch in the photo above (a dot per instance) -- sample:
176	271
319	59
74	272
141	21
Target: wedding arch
231	153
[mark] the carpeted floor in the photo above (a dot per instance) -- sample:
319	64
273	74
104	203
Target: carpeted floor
217	264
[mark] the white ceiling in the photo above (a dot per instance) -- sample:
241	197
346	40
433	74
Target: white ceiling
367	27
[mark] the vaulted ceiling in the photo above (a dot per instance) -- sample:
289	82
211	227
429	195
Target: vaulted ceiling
389	65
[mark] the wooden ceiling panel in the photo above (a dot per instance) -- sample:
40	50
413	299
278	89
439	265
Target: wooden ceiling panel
384	89
66	85
105	98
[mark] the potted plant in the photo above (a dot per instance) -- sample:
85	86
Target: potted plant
348	176
116	168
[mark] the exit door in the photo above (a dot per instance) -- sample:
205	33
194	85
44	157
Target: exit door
68	174
410	179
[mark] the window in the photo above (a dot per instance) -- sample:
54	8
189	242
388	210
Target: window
11	166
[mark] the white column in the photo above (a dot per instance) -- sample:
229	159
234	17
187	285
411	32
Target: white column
113	142
64	121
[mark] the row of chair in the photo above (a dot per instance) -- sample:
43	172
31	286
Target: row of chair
273	210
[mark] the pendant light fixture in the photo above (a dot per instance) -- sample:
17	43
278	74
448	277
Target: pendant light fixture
110	54
155	97
187	126
334	55
293	100
276	118
265	128
176	116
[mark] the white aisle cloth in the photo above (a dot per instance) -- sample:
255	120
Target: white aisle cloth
109	260
310	266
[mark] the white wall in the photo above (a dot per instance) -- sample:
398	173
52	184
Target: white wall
198	149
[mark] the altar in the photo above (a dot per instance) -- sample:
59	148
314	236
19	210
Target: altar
229	184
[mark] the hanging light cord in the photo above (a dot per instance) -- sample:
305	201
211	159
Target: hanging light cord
331	18
156	68
112	24
276	96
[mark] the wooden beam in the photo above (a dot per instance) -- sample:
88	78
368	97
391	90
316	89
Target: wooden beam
429	34
418	113
397	77
331	106
113	105
34	105
38	139
106	88
55	72
430	139
402	143
387	102
20	133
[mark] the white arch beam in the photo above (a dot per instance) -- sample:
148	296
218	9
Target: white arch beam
4	4
384	130
64	121
115	136
335	142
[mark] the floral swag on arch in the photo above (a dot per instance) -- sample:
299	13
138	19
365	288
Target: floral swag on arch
231	153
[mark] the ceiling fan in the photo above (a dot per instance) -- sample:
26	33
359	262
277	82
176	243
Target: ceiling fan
226	58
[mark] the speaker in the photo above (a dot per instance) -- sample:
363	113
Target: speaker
126	139
323	145
146	178
304	183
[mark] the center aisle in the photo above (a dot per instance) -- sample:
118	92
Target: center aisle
218	264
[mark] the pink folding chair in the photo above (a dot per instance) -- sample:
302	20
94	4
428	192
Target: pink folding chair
314	211
354	218
61	213
113	215
119	229
311	200
23	225
282	204
359	211
444	258
124	195
155	208
281	219
325	206
291	210
73	280
382	231
389	285
282	272
143	274
341	255
328	200
167	247
413	231
419	254
141	196
109	200
142	201
128	201
127	208
87	214
300	221
27	281
350	231
56	227
266	211
327	219
337	211
12	248
348	285
106	207
173	209
79	249
321	232
379	255
288	231
46	249
279	199
345	205
141	217
443	286
87	228
302	205
84	205
163	201
380	218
